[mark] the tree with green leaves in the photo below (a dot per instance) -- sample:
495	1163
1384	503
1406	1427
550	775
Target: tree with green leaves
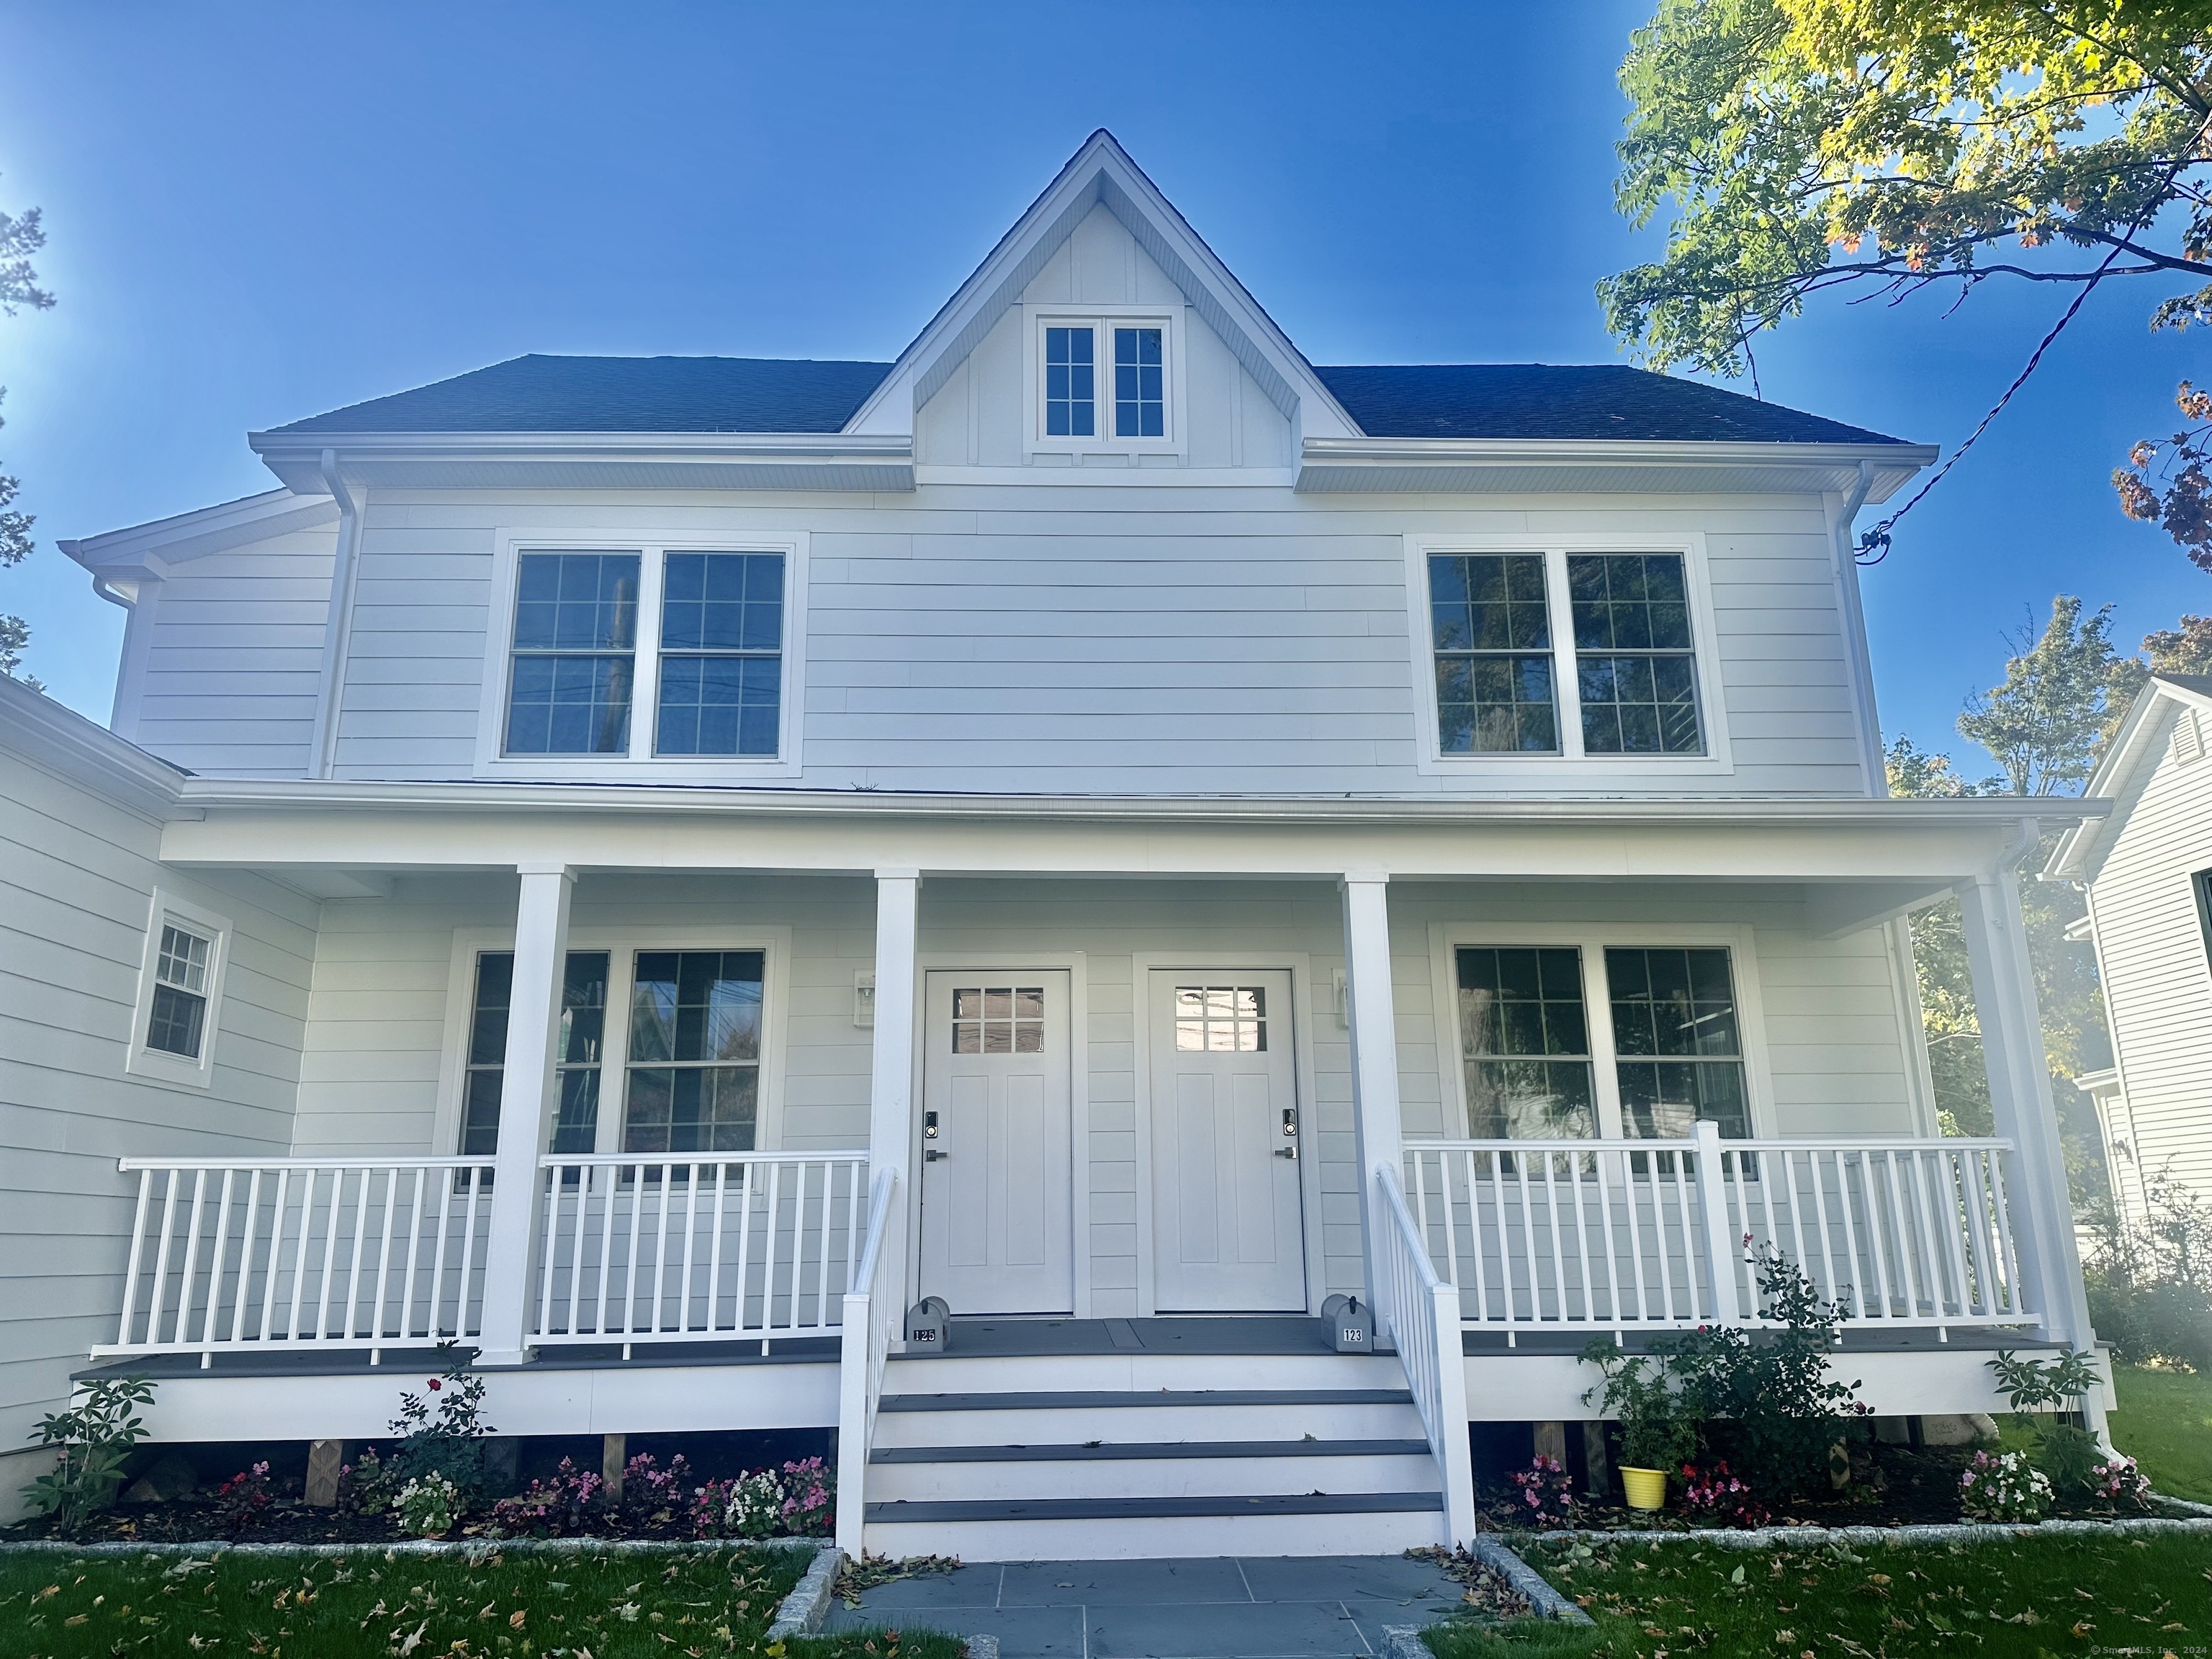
20	236
1880	148
2062	692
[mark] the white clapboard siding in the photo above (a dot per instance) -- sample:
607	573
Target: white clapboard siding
78	873
2153	951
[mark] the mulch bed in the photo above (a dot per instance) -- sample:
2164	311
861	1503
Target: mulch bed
288	1521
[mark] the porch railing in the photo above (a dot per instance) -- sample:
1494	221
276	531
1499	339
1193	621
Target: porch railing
671	1248
277	1254
1654	1234
1420	1312
872	1317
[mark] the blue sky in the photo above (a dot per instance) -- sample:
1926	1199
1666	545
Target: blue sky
260	211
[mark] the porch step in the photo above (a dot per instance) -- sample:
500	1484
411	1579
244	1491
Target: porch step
1335	1461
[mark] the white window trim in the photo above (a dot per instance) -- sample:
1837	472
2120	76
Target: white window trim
1103	317
157	1064
1569	766
640	763
1592	938
622	945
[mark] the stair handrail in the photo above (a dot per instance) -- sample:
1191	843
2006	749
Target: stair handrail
871	1315
1421	1313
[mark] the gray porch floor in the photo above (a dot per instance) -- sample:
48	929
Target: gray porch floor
1230	1607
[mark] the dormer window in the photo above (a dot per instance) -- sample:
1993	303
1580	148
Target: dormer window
1103	383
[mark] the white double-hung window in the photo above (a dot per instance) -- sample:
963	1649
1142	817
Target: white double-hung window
179	992
1594	653
655	654
1105	382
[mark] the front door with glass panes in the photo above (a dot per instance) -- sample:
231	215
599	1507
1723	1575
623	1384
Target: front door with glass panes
1665	1052
680	1060
1228	1232
997	1144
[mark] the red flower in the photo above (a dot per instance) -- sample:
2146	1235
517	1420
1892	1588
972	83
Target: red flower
435	1385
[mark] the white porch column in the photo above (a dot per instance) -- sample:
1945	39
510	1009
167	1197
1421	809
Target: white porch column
1372	1018
891	1090
2021	1102
526	1102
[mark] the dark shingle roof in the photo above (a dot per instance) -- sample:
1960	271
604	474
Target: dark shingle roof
1566	400
622	394
2200	683
777	394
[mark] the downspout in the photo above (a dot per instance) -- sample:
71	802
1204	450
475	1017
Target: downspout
322	751
1861	659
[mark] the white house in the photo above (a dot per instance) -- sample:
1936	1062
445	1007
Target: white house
651	867
2147	870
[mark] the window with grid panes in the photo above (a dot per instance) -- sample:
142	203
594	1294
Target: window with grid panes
1139	383
579	1051
574	654
721	654
1677	1037
177	1023
1635	663
1071	397
1524	1043
1221	1018
1491	627
1002	1020
693	1083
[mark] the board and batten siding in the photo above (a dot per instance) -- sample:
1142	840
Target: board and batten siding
228	652
386	984
77	875
2153	955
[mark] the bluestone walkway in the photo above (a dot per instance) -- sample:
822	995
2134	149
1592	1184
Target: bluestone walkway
1227	1608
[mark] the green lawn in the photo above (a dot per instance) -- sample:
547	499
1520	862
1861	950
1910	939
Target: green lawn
2165	1423
717	1602
2007	1597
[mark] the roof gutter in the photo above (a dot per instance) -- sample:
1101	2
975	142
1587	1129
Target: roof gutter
322	750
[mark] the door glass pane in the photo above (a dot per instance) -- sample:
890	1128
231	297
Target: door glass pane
998	1019
1676	1028
1524	1043
1221	1018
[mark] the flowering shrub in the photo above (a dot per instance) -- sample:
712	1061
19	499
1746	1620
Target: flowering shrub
367	1484
553	1508
239	1501
651	1493
426	1505
810	1499
2118	1482
1714	1494
2003	1486
1547	1493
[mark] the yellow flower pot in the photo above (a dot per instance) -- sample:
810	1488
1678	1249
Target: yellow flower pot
1646	1489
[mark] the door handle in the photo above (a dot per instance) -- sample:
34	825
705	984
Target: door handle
1290	1152
931	1154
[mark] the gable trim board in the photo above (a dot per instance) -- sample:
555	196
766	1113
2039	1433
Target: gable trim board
1101	173
2138	748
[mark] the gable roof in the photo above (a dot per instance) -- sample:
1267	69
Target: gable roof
2133	754
1567	400
539	393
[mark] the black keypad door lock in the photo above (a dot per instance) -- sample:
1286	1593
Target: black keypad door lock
930	1154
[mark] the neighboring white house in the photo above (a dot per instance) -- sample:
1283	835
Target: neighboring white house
2147	872
650	866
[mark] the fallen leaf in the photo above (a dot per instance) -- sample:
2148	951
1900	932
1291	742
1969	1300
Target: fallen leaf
515	1619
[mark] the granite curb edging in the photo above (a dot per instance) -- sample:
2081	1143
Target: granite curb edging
802	1612
1963	1532
1494	1553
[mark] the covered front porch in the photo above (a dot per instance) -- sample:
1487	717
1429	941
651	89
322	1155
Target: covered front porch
1066	1065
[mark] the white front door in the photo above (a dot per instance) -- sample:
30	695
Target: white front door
1227	1233
996	1172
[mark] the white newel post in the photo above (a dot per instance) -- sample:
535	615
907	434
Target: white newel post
527	1099
1371	1016
2021	1103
